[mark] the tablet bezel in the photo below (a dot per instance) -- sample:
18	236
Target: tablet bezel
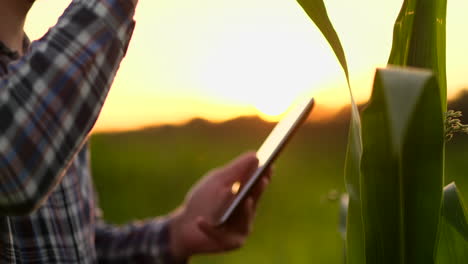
240	196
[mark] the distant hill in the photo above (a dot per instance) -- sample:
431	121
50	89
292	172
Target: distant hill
337	124
460	103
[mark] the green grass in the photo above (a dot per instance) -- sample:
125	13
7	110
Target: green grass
147	173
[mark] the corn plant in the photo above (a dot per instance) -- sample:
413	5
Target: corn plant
397	210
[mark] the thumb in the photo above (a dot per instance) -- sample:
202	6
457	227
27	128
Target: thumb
209	229
241	168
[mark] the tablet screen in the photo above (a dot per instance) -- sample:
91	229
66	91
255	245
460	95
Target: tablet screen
269	150
279	133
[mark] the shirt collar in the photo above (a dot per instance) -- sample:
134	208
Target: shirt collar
4	50
13	55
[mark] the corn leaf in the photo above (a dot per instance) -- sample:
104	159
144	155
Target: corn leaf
455	211
354	243
419	38
401	167
317	11
344	204
453	228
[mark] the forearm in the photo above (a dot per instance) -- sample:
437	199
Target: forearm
139	242
50	99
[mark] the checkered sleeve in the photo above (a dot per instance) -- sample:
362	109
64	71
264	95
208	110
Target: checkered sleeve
51	98
143	242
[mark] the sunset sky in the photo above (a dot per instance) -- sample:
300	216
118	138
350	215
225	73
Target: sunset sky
219	59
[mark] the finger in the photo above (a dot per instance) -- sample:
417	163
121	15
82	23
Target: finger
241	221
241	168
268	173
224	199
209	229
212	234
224	239
254	195
259	189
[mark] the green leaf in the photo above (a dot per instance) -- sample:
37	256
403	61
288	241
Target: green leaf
419	38
355	242
344	204
402	167
454	210
316	10
453	248
453	243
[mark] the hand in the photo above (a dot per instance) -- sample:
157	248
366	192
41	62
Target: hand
193	228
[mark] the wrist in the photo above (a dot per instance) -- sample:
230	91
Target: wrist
177	250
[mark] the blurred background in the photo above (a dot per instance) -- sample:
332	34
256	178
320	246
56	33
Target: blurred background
202	82
220	59
145	173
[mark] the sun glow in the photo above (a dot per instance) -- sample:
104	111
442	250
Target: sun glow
271	111
251	64
219	59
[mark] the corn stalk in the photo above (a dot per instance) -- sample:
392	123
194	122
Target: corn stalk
397	210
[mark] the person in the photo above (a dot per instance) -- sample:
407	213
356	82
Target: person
51	93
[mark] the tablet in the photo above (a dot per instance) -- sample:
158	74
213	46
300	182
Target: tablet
268	152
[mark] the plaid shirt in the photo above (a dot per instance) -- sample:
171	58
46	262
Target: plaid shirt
49	101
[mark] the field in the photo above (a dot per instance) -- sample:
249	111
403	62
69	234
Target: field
146	173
